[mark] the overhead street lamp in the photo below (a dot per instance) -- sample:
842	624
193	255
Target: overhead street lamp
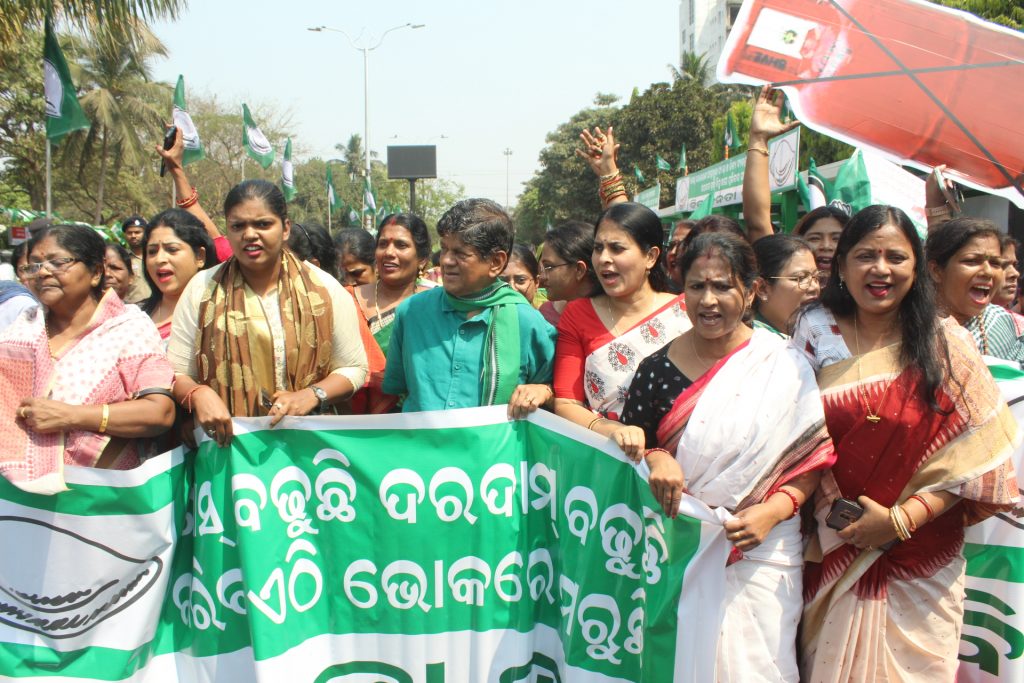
508	158
365	49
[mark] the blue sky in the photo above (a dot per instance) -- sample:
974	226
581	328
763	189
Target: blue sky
487	75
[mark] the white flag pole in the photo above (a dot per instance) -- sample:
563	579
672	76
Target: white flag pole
243	169
49	181
328	209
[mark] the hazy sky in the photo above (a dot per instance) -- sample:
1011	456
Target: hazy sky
487	75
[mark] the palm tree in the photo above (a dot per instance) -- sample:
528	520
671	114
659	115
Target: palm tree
116	16
354	155
693	67
121	99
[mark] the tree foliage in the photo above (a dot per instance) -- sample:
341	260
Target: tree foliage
1006	12
19	18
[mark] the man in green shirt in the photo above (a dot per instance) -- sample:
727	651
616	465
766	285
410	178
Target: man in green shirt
475	341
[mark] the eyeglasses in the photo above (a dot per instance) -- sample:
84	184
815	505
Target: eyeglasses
517	279
673	244
548	269
55	266
804	281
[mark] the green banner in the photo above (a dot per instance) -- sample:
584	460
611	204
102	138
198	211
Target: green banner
650	197
724	180
432	547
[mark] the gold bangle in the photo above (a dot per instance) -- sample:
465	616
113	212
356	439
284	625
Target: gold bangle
105	418
609	176
594	421
760	150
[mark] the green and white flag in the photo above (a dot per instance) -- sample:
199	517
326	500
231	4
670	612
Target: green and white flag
353	216
189	135
852	185
256	144
638	174
682	160
730	140
454	547
992	644
369	202
662	164
63	112
816	191
706	208
288	172
332	196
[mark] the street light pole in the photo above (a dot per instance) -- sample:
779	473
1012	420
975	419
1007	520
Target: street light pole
366	89
508	158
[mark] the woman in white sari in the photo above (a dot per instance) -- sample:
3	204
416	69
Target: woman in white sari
747	434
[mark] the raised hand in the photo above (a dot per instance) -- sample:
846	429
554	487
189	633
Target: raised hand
600	151
765	121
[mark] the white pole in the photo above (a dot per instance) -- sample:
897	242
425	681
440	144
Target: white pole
243	168
328	209
508	158
367	219
49	181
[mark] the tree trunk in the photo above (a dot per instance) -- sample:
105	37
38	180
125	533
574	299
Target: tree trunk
98	214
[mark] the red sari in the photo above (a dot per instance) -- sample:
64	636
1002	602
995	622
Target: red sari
896	615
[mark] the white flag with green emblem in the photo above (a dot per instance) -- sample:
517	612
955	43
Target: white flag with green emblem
63	112
332	195
181	118
287	173
256	144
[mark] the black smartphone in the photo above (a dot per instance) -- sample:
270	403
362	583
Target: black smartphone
844	512
265	400
169	136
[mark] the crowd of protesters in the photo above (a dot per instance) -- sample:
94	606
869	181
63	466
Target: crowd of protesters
833	371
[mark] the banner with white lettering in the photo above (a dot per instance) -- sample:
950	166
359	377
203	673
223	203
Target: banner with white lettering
430	548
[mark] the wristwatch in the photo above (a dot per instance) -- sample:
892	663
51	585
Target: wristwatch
321	396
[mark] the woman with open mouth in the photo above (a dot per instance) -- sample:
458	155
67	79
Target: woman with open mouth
924	445
821	228
263	334
603	338
966	263
175	247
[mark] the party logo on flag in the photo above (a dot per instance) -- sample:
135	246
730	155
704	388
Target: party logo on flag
53	87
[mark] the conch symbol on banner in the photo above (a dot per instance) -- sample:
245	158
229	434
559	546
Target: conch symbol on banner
783	162
540	669
65	604
989	654
382	672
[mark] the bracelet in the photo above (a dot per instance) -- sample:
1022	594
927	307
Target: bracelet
896	518
927	508
796	503
943	210
610	176
760	150
105	418
595	421
655	450
187	401
190	200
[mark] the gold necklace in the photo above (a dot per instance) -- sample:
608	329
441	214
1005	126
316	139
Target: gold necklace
871	416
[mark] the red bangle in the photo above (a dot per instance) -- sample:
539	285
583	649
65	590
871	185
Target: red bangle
186	402
927	508
796	503
654	450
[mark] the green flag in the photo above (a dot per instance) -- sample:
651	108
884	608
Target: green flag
682	159
705	209
852	185
256	144
63	112
353	217
731	141
662	164
189	135
369	202
639	176
816	191
332	196
288	173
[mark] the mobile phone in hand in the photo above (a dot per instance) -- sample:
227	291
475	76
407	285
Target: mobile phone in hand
169	137
844	512
951	191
